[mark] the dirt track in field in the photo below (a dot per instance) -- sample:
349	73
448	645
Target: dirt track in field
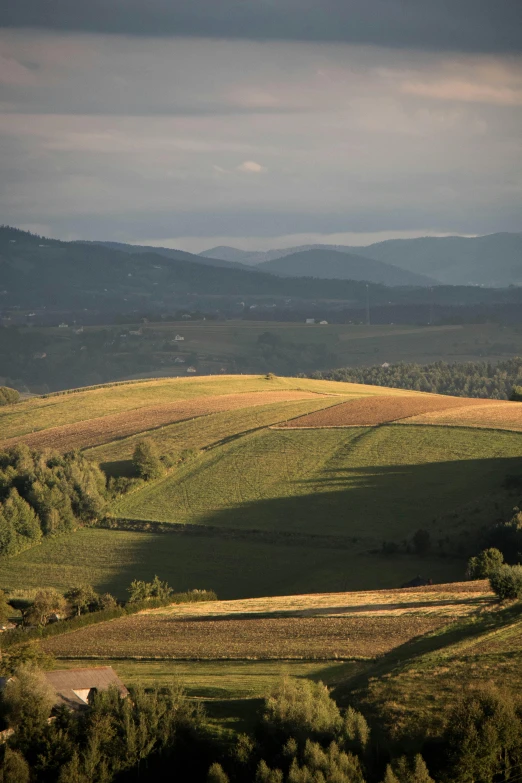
95	432
368	411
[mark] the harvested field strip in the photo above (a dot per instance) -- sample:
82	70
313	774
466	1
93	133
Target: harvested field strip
491	415
457	598
379	410
204	431
330	625
119	425
312	638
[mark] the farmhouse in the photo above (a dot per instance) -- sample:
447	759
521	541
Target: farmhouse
74	688
179	360
191	369
310	321
178	338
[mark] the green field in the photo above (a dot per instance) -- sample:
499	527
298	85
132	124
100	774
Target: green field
111	559
372	483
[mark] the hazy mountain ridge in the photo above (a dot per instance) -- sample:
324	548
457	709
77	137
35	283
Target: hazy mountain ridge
493	260
172	253
335	264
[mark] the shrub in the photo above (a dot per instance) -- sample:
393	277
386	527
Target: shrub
8	396
298	707
506	582
484	564
146	461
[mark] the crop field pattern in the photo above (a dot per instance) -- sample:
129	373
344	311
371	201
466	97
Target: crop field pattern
378	410
119	425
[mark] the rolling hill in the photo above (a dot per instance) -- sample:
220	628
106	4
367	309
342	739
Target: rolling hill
325	263
277	485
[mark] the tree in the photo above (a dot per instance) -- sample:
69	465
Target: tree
266	775
14	768
217	774
8	396
484	564
421	542
483	736
355	730
81	598
146	460
47	602
28	699
506	582
516	394
390	776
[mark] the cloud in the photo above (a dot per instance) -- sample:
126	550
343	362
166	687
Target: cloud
250	167
449	25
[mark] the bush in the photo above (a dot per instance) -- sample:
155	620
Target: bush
8	396
481	566
298	707
506	582
146	461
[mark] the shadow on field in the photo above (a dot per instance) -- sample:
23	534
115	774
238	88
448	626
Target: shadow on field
413	649
381	503
321	541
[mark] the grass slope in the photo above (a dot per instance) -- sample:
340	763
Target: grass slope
371	483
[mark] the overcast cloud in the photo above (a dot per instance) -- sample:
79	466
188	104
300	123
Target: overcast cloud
261	123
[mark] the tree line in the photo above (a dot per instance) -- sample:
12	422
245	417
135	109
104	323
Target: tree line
42	494
461	379
300	736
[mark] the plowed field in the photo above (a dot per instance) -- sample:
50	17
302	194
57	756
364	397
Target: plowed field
369	411
149	636
94	432
498	415
315	626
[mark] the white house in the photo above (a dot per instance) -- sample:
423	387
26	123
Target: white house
323	323
63	326
191	369
178	338
310	321
179	360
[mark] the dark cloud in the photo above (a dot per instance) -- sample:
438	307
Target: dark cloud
459	25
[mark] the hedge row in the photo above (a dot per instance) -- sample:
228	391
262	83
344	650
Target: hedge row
18	635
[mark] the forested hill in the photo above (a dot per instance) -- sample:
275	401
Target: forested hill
469	379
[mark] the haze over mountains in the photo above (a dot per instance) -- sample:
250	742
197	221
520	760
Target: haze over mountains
493	260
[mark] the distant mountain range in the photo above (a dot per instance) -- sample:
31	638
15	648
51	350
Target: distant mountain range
493	260
334	264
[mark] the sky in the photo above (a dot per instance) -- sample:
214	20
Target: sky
260	123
